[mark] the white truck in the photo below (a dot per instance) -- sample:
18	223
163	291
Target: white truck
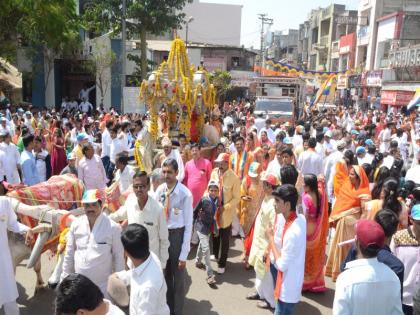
280	98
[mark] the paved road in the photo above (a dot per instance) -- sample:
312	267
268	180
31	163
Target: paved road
227	299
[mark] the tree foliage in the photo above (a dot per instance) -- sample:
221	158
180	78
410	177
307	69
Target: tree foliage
50	27
222	82
148	16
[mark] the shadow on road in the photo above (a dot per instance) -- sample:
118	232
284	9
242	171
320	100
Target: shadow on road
204	307
326	298
42	302
305	308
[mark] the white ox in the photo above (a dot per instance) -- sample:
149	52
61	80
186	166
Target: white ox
48	227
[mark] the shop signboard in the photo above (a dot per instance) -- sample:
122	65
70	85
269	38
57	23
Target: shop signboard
354	81
342	82
396	98
374	78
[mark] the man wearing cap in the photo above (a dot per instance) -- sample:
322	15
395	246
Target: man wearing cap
204	214
12	162
171	153
361	156
71	165
29	122
406	246
367	286
230	193
82	139
142	208
264	282
4	128
176	201
93	247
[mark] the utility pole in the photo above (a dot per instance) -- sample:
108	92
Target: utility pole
264	21
123	52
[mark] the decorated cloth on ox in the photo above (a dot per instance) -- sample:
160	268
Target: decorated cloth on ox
63	192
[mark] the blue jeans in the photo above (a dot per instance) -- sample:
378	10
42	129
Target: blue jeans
282	308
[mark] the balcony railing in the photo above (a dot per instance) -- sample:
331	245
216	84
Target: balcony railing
404	57
324	40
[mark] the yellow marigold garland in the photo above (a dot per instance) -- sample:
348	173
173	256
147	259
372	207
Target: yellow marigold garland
137	155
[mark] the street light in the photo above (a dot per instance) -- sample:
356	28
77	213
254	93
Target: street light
188	21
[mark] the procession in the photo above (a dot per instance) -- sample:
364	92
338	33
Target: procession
287	188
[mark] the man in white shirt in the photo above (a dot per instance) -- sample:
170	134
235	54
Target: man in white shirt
368	286
12	162
309	161
8	288
274	166
106	146
177	201
117	146
42	160
85	106
77	294
385	138
93	247
142	208
85	91
148	287
259	122
4	127
287	245
329	144
329	169
171	153
413	173
124	174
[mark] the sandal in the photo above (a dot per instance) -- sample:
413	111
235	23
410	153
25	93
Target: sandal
211	280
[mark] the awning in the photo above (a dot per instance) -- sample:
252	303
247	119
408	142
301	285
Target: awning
159	45
400	86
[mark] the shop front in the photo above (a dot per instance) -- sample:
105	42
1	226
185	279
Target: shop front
395	100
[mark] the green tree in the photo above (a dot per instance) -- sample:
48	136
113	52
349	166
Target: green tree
155	17
51	26
222	82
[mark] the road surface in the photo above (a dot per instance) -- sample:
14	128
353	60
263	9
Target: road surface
227	299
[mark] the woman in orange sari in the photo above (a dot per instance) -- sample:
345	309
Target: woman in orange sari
345	213
315	203
342	169
252	196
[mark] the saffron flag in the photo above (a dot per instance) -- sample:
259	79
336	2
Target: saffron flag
415	100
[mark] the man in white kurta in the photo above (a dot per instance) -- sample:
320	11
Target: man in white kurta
8	288
94	247
12	162
140	207
171	153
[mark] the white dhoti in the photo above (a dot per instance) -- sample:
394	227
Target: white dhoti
265	288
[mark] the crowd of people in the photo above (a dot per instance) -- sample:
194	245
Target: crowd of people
341	177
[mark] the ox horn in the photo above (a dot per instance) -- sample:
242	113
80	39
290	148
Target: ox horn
37	250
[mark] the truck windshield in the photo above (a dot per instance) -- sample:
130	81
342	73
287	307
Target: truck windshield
274	106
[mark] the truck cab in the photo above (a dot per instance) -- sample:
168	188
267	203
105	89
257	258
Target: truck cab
279	110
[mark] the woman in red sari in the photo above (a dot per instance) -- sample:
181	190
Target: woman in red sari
315	203
58	153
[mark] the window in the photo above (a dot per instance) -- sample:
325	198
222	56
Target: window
284	92
235	62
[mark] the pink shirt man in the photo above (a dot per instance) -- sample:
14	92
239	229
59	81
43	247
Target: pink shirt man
197	175
92	173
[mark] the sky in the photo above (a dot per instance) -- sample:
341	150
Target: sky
285	13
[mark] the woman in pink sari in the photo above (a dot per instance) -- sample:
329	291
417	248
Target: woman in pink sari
58	153
315	203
